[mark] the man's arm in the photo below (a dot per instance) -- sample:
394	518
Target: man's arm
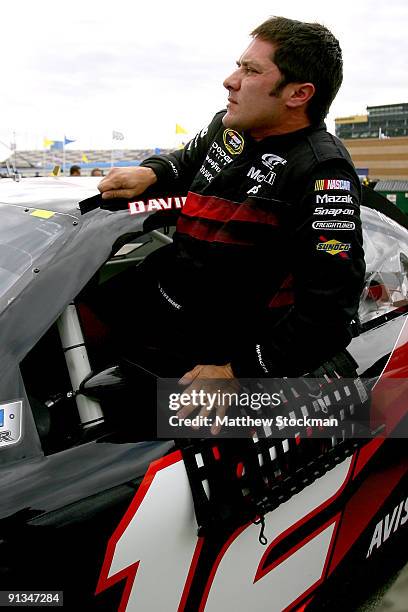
320	294
173	172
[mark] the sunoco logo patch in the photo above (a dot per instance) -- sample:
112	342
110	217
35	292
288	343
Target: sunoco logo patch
233	141
334	247
334	225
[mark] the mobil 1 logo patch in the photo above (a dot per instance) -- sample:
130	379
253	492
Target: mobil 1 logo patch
334	225
271	161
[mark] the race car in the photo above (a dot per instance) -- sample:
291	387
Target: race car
99	516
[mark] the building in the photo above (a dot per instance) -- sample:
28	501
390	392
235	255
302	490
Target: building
386	121
396	192
377	141
380	159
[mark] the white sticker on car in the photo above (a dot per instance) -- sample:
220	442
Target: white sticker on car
10	423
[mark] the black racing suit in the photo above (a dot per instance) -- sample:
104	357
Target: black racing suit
267	264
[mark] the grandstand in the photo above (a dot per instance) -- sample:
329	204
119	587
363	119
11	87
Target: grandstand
41	163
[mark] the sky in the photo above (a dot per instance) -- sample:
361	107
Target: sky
84	68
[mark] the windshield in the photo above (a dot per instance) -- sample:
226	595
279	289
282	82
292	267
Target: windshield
24	236
386	254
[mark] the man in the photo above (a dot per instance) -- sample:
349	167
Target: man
96	172
75	170
266	269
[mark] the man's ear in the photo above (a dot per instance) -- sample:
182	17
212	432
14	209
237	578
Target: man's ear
299	94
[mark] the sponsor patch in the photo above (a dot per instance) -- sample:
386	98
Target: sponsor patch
256	175
220	154
259	177
270	160
334	225
136	208
260	359
168	298
254	189
213	164
206	174
323	184
333	199
233	141
173	167
333	247
319	210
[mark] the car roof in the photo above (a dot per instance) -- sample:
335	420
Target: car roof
59	194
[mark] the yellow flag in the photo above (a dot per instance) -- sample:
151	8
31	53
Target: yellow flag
56	171
84	158
180	130
47	143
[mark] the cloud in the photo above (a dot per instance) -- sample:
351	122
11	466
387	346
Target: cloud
142	67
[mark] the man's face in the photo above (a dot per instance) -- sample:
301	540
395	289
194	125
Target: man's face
251	104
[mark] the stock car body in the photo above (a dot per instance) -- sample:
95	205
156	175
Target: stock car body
90	508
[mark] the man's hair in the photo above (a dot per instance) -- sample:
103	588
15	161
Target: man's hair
305	53
75	170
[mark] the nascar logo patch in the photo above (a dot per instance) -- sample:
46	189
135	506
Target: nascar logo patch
323	184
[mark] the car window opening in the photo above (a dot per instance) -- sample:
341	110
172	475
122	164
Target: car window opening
106	404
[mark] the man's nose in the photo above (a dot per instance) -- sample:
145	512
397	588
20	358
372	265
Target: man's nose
233	81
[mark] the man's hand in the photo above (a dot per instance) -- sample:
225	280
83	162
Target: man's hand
126	182
195	379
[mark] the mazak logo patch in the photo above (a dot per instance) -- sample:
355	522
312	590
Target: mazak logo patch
334	225
333	199
323	184
333	247
233	141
